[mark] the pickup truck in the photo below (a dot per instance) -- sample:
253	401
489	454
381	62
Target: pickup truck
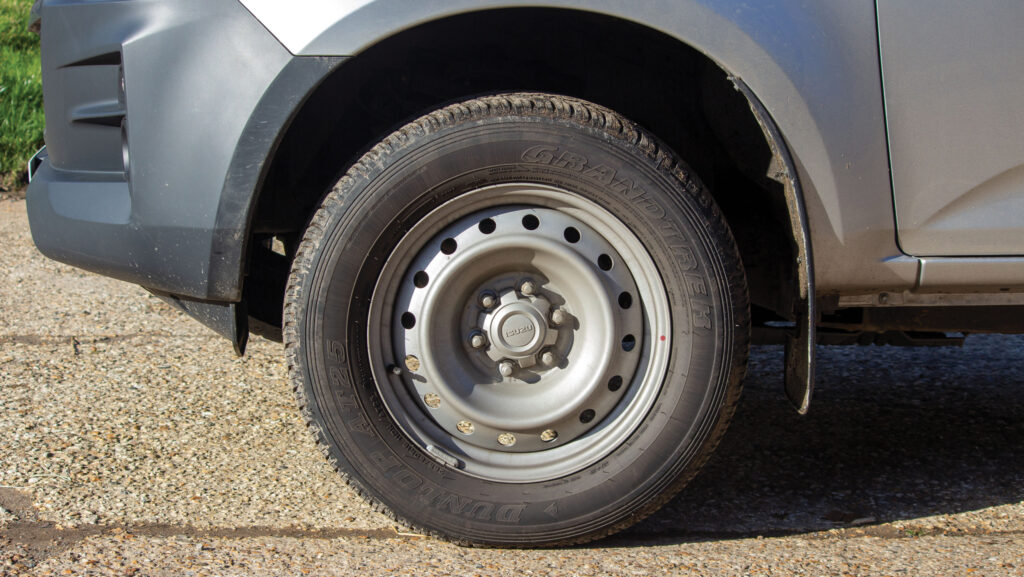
517	251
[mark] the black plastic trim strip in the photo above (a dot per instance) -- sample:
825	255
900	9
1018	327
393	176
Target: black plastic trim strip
800	344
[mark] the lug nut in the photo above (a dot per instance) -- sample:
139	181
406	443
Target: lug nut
478	340
506	368
549	435
488	299
507	439
527	287
558	316
432	400
548	358
465	427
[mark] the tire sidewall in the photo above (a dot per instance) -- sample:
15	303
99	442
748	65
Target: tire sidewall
387	193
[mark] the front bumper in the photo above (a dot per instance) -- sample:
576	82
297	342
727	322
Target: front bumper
172	85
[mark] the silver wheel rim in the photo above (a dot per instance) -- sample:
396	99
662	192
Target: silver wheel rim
519	333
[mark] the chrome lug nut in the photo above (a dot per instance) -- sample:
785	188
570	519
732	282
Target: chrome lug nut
477	340
527	288
506	368
488	299
558	317
548	358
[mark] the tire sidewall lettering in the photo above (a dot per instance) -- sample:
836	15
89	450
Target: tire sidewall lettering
358	247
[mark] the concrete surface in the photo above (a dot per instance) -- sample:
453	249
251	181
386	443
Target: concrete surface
133	442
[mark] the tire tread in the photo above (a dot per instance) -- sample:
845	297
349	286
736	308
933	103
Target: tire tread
560	109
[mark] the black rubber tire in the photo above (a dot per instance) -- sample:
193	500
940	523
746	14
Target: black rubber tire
437	158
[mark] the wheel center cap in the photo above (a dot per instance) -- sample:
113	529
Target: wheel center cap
518	330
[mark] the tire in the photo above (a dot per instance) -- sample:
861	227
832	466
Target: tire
520	320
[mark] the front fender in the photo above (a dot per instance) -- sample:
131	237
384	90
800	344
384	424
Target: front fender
813	66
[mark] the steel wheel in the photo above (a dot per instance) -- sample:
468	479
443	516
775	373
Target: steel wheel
516	343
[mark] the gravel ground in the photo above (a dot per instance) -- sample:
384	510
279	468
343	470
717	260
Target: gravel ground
931	556
118	409
132	441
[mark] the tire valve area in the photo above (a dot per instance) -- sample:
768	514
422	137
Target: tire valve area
444	457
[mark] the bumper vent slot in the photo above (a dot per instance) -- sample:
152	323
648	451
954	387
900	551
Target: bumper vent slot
105	113
105	59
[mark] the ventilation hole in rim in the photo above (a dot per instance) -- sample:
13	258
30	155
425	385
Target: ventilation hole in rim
628	343
408	320
530	222
572	235
421	279
625	300
615	383
449	245
487	226
587	416
605	262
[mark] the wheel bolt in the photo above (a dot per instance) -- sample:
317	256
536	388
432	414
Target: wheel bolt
507	439
478	340
432	400
548	358
558	316
549	435
465	427
506	368
527	287
488	299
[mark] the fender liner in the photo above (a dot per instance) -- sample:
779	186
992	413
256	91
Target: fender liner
800	342
261	138
256	146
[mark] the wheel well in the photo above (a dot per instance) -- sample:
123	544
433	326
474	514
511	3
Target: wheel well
655	80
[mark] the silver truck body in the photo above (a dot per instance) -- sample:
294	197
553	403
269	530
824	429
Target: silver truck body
901	132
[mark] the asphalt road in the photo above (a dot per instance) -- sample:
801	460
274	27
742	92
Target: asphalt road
133	442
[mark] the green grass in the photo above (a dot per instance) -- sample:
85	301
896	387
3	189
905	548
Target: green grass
21	93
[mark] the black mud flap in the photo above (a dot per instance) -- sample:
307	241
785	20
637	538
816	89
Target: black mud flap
228	320
799	376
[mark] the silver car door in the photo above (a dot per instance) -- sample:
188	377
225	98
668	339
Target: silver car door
953	75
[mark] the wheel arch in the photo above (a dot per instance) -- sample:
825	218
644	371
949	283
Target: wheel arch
337	119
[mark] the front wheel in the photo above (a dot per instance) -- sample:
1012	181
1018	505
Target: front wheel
519	320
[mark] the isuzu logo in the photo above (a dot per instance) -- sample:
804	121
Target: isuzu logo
518	331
